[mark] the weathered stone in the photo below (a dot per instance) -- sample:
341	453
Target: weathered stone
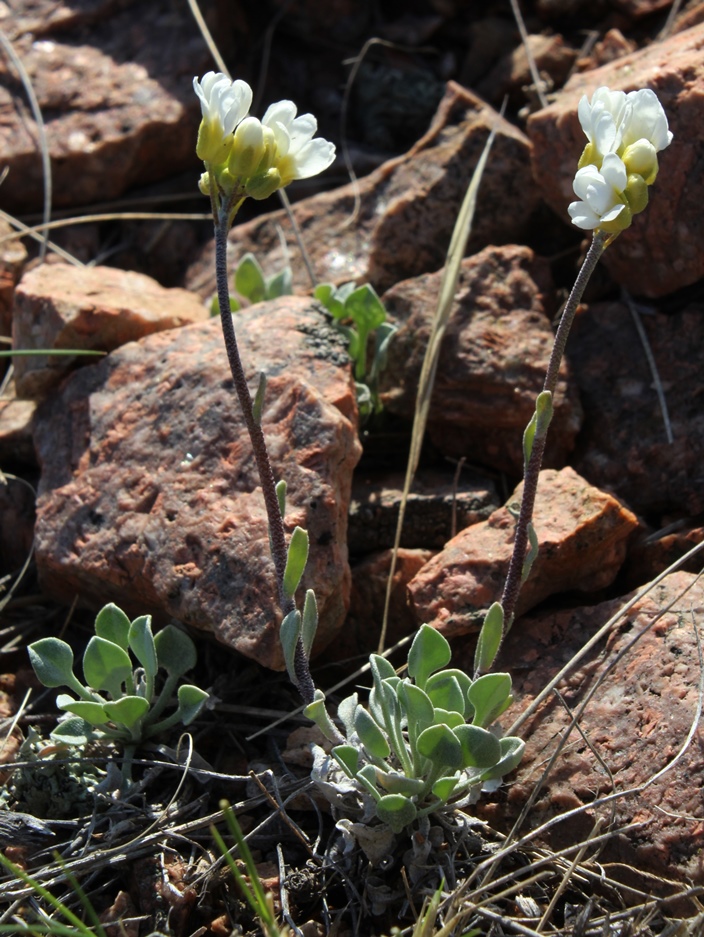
435	501
652	552
512	75
13	256
119	106
97	308
492	362
637	721
662	250
624	446
16	445
407	208
360	636
149	494
582	534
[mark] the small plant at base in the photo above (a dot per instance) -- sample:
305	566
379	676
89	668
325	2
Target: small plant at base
365	310
424	741
120	702
250	282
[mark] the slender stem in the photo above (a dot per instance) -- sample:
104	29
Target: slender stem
277	536
513	583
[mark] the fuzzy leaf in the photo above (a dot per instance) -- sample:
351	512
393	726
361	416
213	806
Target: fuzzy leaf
141	641
348	759
365	308
445	692
480	748
380	667
73	731
448	717
249	279
191	700
175	651
429	652
309	623
317	713
489	639
289	634
444	787
106	666
396	811
280	284
394	782
112	624
281	495
52	661
94	713
296	560
127	711
512	749
416	705
346	710
490	695
441	746
326	294
370	734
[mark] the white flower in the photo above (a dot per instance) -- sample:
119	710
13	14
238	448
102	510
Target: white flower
222	100
601	193
614	120
224	104
299	154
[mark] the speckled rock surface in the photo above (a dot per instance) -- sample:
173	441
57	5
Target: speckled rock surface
13	256
118	106
662	250
582	532
97	308
623	446
149	493
637	721
407	208
492	363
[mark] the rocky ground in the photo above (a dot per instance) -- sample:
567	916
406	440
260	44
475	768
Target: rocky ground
134	480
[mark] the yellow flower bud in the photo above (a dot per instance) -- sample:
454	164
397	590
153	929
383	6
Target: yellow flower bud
641	157
620	223
262	186
590	157
213	146
636	193
204	183
247	148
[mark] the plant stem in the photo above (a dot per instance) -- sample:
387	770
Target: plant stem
277	537
513	583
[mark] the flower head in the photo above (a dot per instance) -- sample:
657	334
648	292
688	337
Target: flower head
625	134
299	154
224	104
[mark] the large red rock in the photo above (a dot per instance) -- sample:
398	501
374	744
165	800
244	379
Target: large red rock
397	221
150	495
644	677
94	308
492	361
663	249
582	533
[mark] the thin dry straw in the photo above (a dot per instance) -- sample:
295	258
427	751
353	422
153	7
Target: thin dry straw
448	288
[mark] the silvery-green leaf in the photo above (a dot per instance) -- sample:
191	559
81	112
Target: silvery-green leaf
448	717
429	652
249	279
289	634
480	748
441	746
309	623
394	782
348	758
396	811
191	700
444	787
74	731
445	692
296	559
106	666
112	624
489	639
52	661
370	734
141	641
175	651
416	705
490	695
512	749
94	713
346	710
127	711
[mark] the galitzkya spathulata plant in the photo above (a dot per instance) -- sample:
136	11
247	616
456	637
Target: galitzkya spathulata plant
424	740
358	313
120	701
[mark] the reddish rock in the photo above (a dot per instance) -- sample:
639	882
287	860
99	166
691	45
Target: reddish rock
98	308
13	256
436	504
492	362
512	75
662	250
582	534
118	102
16	445
637	721
407	208
360	636
653	552
149	494
623	446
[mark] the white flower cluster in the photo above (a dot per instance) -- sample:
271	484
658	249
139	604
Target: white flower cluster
256	156
625	134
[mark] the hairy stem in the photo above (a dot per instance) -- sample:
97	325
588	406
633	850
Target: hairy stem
277	536
513	583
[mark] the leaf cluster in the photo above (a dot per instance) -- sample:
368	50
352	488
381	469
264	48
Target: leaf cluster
358	312
251	283
424	740
118	700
